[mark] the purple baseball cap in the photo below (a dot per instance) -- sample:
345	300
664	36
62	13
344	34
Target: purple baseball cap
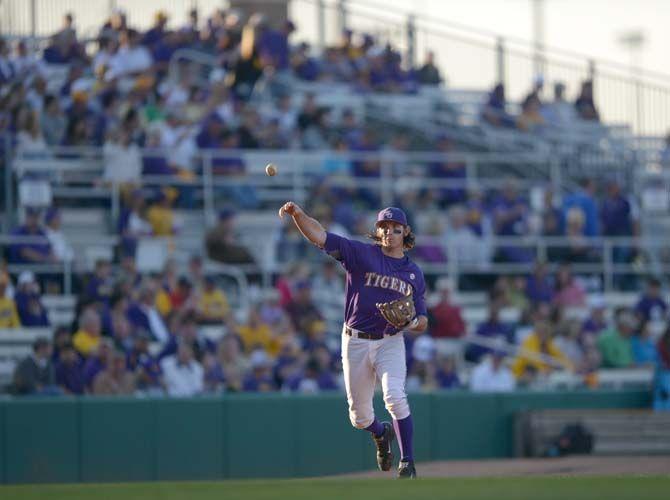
393	214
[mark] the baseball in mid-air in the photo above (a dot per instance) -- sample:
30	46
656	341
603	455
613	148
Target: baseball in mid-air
271	169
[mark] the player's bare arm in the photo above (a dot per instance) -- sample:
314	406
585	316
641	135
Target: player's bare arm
308	226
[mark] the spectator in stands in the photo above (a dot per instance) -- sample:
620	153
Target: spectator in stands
222	242
512	291
118	325
184	376
539	288
35	373
133	223
260	379
29	303
37	90
567	340
312	379
596	322
302	310
510	218
64	49
186	331
585	106
651	305
432	250
182	298
568	292
450	169
7	71
53	121
578	248
289	362
144	315
256	334
100	286
214	379
494	112
446	320
305	66
315	134
61	336
132	58
87	339
492	375
122	159
213	307
248	66
232	362
584	198
97	361
665	154
539	355
115	379
428	73
615	344
69	371
559	112
643	346
464	243
145	366
446	374
618	216
530	119
30	141
36	251
9	317
156	33
491	329
62	249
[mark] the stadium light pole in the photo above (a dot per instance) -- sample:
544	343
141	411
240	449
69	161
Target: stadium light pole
633	41
538	36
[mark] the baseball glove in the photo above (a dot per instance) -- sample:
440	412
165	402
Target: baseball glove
398	312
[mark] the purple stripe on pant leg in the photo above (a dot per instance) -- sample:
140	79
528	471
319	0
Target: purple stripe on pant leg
404	430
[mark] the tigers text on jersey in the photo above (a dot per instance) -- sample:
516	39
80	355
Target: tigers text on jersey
374	277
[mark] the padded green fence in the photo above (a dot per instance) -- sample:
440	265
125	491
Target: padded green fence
95	440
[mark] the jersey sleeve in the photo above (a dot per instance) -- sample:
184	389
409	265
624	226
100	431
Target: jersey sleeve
420	294
348	252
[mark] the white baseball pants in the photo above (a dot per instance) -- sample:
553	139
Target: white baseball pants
363	362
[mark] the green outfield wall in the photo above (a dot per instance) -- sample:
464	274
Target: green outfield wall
245	435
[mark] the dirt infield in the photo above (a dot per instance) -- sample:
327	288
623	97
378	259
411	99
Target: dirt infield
567	466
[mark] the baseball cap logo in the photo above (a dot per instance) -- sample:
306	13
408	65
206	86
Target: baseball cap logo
388	214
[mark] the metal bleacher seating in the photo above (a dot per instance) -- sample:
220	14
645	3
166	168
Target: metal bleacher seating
615	432
15	344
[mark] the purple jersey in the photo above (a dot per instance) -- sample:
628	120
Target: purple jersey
373	277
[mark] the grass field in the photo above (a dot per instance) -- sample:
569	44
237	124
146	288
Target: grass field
514	488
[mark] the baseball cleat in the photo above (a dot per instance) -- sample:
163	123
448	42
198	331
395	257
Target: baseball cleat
384	449
406	470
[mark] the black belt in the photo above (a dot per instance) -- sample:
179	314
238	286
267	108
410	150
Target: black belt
364	335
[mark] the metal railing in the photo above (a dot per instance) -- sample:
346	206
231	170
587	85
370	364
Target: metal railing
623	94
74	175
67	269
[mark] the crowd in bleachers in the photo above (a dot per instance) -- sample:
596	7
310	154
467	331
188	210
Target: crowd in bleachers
119	93
284	342
143	334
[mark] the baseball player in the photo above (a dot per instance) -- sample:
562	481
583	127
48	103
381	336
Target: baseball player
384	296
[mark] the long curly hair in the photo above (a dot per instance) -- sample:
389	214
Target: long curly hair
408	241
